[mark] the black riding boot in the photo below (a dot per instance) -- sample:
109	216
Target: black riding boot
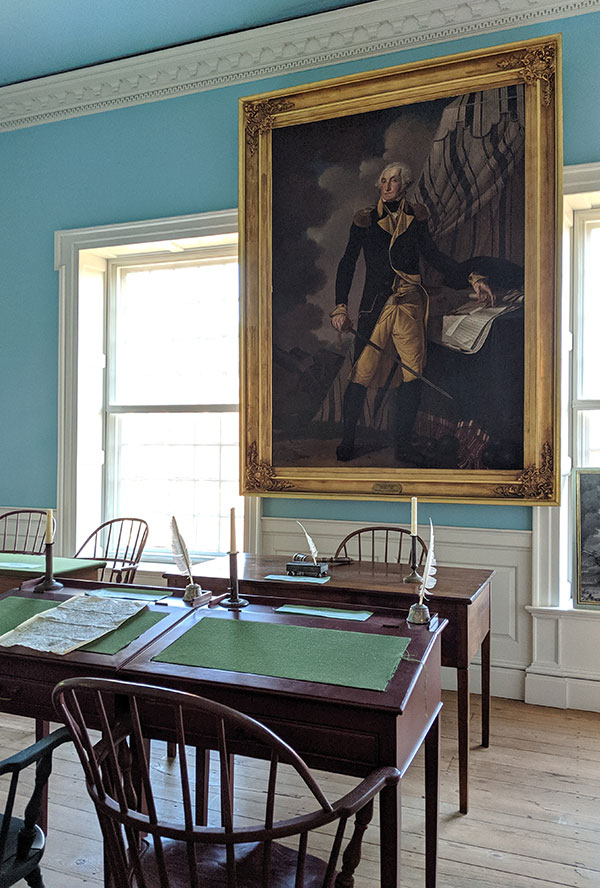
379	399
404	413
354	398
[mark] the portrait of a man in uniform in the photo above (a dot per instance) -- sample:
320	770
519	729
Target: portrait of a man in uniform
398	286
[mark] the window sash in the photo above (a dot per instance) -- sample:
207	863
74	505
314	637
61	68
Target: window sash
113	476
585	223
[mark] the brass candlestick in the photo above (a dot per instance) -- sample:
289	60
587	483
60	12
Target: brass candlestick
48	583
413	576
233	600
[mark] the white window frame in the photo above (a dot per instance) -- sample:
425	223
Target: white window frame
553	527
68	244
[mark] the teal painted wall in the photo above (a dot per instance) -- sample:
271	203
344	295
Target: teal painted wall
171	158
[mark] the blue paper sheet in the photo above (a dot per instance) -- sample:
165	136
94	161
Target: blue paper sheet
288	579
333	613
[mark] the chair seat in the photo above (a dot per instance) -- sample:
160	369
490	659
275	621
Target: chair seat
11	868
212	869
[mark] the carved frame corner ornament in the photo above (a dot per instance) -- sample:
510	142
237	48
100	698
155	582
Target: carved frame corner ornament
537	63
260	475
258	118
536	482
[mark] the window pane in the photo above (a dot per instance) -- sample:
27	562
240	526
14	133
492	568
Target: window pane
179	464
590	321
175	334
589	439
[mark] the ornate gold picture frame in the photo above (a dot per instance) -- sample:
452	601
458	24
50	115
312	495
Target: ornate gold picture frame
399	271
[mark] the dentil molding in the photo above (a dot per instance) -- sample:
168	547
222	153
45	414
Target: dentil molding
369	29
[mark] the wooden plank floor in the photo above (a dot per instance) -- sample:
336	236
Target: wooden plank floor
534	819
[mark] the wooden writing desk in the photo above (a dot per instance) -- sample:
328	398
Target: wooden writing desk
461	595
14	572
338	729
27	677
345	730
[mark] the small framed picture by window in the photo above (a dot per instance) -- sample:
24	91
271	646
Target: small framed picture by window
588	536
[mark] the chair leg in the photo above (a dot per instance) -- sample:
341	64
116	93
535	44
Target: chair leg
352	854
171	750
202	783
34	878
42	729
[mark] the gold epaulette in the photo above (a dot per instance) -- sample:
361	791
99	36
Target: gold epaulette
362	219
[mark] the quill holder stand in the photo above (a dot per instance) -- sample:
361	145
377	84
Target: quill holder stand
233	601
192	591
413	576
48	583
418	613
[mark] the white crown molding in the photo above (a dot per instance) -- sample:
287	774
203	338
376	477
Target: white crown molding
369	29
581	177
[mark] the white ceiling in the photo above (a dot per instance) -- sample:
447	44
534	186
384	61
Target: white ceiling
41	37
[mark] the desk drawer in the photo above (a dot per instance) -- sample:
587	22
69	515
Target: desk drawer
351	751
31	696
340	747
20	696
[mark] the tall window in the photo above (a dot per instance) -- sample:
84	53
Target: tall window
580	388
157	389
585	420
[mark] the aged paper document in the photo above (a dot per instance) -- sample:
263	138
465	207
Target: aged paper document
72	624
467	328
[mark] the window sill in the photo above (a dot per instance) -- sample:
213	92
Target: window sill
570	612
151	572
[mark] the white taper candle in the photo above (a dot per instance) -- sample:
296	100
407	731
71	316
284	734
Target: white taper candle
49	527
413	516
232	547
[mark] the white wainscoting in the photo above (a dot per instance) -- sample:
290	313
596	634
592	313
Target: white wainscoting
508	552
565	671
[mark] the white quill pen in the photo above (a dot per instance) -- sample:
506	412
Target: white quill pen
180	552
430	569
309	540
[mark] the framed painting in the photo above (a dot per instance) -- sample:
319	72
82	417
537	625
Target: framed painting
587	516
399	269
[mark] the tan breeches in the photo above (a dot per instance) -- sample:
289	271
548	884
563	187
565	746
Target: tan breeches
400	330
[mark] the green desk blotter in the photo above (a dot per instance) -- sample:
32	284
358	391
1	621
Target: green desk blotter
12	563
333	613
14	610
127	632
329	656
